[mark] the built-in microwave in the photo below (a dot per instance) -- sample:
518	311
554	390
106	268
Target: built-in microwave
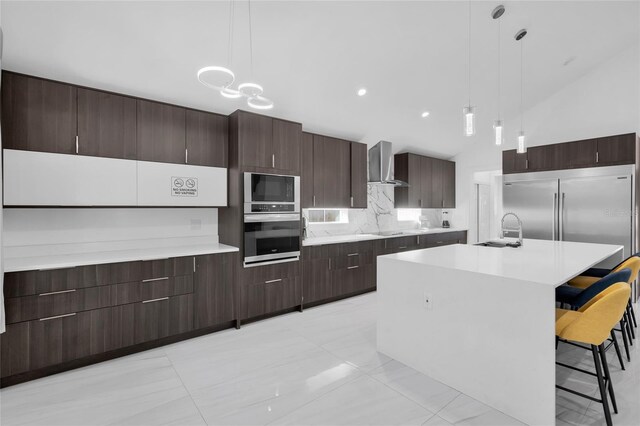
271	238
267	193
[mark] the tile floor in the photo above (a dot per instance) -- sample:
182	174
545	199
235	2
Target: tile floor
319	367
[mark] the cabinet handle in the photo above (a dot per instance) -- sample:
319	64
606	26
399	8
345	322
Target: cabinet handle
273	160
439	242
526	164
76	144
58	316
352	201
402	247
314	201
418	239
329	263
273	281
186	156
353	254
420	202
353	267
597	157
155	300
194	263
148	280
57	292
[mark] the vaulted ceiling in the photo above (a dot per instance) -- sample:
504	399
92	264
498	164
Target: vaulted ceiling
312	56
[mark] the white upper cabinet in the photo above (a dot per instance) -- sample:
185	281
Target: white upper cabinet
165	184
47	179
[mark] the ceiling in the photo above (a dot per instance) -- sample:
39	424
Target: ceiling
312	56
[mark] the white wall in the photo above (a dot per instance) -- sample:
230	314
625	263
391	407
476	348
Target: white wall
606	101
40	226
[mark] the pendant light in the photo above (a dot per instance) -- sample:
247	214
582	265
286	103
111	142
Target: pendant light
522	144
497	124
468	112
222	78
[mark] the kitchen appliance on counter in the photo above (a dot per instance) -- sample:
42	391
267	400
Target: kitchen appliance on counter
445	220
594	205
271	218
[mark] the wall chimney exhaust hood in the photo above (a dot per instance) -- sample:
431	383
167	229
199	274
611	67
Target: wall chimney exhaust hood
381	165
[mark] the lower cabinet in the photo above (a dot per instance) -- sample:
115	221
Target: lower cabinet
339	270
58	316
269	289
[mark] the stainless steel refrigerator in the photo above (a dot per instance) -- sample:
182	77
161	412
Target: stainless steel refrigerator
593	205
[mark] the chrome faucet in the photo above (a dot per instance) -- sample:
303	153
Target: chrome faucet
503	229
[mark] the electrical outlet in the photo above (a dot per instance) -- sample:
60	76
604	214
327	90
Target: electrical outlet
427	302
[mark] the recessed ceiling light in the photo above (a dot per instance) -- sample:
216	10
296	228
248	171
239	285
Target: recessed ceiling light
425	114
362	91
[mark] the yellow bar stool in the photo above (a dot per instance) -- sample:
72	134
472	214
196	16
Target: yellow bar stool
591	276
592	326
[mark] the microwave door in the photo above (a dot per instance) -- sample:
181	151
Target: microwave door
271	239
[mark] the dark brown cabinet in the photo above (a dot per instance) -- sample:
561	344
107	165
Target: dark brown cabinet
596	152
38	115
579	154
106	124
286	140
214	281
358	175
306	171
269	289
542	158
512	162
316	276
432	182
162	317
160	132
266	144
334	173
206	138
618	149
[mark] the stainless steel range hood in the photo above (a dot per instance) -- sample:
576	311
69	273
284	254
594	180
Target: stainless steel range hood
381	165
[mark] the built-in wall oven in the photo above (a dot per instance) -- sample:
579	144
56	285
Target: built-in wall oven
271	218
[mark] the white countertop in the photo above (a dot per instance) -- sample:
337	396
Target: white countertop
54	256
336	239
546	262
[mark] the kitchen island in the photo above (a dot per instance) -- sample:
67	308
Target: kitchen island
482	319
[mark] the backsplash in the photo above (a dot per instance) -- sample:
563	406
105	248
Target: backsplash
380	216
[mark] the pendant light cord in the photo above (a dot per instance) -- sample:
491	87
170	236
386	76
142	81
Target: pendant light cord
469	51
250	40
230	47
499	72
521	83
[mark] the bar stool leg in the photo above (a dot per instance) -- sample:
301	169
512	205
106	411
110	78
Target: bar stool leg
632	313
615	345
607	376
631	330
601	385
624	339
630	333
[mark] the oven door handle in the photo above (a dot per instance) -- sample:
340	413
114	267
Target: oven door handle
272	218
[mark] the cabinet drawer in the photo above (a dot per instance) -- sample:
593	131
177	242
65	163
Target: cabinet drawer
446	238
353	279
46	281
51	304
272	296
399	244
172	267
162	317
151	288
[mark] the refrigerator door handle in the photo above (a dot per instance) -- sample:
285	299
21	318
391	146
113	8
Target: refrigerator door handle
561	219
554	221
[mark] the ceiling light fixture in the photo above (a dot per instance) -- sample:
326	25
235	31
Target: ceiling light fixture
425	114
221	78
362	91
522	145
468	112
497	124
